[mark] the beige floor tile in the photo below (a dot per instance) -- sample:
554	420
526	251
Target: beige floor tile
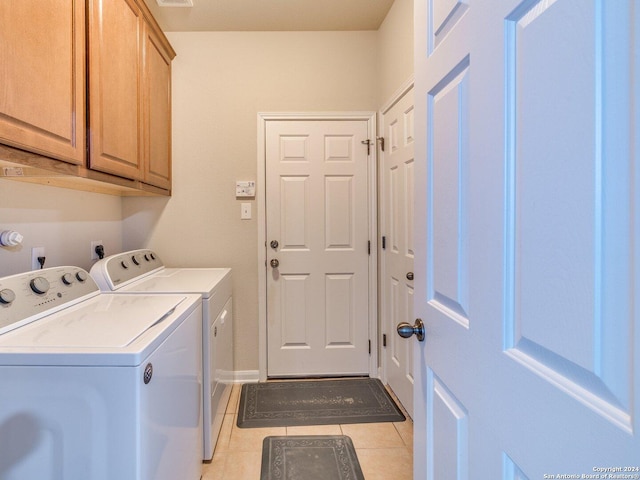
315	430
385	463
232	406
405	429
250	439
384	449
222	445
373	435
214	470
243	465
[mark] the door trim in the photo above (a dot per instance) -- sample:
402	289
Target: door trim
395	98
263	118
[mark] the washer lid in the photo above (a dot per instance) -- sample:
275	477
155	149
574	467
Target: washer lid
180	280
106	321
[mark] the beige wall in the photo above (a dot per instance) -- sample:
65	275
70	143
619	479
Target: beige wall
220	82
395	50
63	221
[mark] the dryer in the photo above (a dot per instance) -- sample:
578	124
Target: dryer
97	386
143	272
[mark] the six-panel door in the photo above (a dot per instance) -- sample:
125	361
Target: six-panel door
526	232
317	211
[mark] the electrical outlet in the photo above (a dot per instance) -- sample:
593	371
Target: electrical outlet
94	244
35	253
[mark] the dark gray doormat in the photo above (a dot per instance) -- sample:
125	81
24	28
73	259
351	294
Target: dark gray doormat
318	402
310	457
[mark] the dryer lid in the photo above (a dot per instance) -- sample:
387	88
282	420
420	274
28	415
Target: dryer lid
202	281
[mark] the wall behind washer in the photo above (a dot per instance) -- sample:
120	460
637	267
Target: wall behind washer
221	80
63	221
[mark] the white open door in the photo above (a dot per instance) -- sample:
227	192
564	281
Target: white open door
527	232
396	226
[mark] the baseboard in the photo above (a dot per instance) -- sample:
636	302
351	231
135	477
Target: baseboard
246	376
253	376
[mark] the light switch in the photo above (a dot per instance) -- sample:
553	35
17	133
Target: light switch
245	211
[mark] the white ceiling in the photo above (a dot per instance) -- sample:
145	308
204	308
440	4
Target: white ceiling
271	15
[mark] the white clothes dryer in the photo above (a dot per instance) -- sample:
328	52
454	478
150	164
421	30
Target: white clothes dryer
142	272
97	386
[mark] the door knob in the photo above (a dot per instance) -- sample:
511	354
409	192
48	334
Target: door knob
274	244
405	330
409	275
274	263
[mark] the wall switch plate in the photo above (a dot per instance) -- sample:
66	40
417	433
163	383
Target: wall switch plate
35	253
94	244
245	211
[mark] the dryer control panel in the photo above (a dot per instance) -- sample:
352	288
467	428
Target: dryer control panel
118	270
25	297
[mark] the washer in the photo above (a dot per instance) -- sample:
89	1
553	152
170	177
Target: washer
142	272
97	386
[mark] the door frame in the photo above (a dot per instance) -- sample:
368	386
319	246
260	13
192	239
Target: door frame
263	119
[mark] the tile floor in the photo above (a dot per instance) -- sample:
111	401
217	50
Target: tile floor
385	450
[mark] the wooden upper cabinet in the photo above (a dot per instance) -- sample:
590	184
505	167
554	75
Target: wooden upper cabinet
62	61
42	77
115	87
157	109
129	92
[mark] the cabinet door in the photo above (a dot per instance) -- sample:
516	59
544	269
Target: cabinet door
157	84
42	77
115	86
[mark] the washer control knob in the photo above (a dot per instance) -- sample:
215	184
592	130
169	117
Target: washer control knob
153	257
147	257
39	285
136	259
7	296
67	279
81	276
124	264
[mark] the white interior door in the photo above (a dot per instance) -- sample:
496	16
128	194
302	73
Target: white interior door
527	233
396	192
317	211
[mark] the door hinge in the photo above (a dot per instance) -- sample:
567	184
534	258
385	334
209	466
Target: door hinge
381	142
384	339
384	242
369	247
369	347
367	142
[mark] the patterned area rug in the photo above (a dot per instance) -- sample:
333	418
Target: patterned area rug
318	402
310	457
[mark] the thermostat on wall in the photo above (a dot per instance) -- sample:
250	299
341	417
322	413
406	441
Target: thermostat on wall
246	189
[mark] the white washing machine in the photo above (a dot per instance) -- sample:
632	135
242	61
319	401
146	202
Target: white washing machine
95	386
142	272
